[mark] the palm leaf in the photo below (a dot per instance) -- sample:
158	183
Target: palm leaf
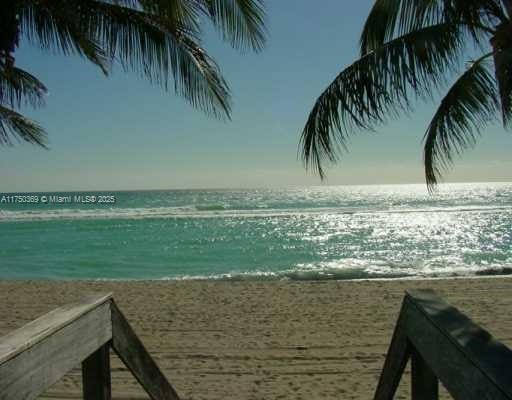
154	46
160	39
15	126
241	22
468	106
61	28
179	12
9	32
378	86
18	87
391	18
502	55
157	48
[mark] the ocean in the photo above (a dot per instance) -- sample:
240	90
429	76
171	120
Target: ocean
314	233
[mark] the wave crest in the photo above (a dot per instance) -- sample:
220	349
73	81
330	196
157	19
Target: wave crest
213	211
354	269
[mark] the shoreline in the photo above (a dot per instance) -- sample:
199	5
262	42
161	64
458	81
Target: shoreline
260	339
249	280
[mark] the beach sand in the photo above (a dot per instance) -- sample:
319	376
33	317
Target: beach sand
260	340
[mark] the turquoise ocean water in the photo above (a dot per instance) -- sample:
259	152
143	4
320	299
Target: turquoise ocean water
303	233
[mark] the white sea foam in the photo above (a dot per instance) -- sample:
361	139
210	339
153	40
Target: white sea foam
354	269
193	212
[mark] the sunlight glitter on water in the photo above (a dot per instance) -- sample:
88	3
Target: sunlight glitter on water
300	233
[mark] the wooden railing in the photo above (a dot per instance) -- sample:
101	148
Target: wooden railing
37	355
444	345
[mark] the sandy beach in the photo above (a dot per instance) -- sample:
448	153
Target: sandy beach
259	340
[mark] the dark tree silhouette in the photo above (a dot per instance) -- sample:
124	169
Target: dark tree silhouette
159	39
410	49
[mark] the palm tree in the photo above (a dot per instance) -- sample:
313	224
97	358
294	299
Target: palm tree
159	39
410	49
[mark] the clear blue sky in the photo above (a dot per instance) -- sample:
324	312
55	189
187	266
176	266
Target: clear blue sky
123	133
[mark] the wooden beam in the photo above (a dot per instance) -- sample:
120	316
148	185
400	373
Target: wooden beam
396	360
424	384
96	375
471	364
37	355
132	352
25	337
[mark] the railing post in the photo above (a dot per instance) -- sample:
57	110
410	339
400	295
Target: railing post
134	355
96	375
424	384
396	360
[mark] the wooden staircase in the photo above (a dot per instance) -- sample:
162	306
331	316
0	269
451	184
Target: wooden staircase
443	345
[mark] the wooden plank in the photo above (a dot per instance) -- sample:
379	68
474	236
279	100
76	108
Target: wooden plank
132	352
466	358
396	360
50	353
96	375
424	384
21	339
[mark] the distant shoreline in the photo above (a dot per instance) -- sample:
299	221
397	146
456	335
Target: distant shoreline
248	280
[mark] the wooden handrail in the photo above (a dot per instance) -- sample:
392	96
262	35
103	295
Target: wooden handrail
36	331
37	355
444	345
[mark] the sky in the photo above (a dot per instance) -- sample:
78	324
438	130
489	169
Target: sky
122	133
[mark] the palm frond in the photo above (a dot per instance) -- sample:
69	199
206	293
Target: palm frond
15	126
476	15
180	13
377	86
18	87
502	55
468	106
61	28
241	22
155	46
391	18
9	32
200	80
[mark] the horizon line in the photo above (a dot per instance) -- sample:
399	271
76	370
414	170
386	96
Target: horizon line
246	188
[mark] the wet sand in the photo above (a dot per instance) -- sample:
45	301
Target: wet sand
260	340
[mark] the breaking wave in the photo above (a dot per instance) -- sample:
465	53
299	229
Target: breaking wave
354	270
216	211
